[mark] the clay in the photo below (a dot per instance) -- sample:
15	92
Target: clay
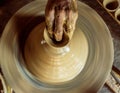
23	77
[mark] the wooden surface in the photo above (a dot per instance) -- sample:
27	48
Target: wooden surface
9	7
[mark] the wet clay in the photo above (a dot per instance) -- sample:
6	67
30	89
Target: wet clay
52	64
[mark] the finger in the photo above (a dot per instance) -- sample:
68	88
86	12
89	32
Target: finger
63	3
60	17
71	22
49	22
50	5
49	14
74	5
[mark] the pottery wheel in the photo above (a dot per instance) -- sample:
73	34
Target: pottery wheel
31	64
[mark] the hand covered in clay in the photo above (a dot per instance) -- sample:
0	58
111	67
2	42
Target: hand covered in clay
61	16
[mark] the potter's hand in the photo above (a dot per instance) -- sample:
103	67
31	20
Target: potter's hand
61	16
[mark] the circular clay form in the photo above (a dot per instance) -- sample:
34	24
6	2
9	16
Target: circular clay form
117	15
31	63
111	5
3	86
53	64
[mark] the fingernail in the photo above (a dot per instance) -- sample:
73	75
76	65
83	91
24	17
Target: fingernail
58	36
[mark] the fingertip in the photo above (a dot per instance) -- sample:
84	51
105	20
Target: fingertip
58	36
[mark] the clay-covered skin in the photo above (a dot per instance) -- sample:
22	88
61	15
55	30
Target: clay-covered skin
61	16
